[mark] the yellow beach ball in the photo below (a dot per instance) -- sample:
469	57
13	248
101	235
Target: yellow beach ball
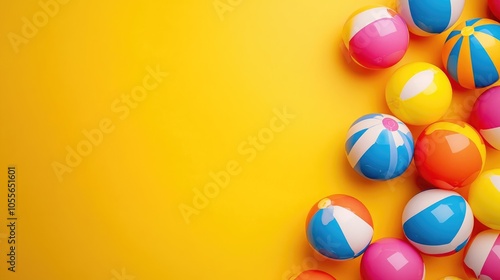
418	93
484	198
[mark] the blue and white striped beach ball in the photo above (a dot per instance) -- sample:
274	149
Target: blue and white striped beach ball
379	146
339	227
438	222
430	17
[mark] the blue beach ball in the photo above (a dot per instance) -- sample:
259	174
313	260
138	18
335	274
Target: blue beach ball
339	227
438	222
379	146
430	17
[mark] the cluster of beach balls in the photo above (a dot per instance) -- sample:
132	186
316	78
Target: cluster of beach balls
447	154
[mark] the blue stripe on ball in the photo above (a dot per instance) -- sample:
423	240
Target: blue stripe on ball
428	228
485	72
461	246
374	161
328	239
453	59
453	34
489	29
353	139
404	155
470	22
434	20
387	161
393	155
408	144
367	117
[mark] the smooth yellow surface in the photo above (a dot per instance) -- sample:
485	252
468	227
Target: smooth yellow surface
483	199
254	111
423	107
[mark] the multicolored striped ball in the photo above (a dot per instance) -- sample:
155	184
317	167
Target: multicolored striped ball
438	222
482	257
379	146
339	227
430	17
471	53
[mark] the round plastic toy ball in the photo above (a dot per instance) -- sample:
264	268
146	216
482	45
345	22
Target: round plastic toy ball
485	118
376	37
339	227
449	154
471	53
391	259
484	198
438	222
450	278
418	93
314	275
494	6
379	146
430	17
482	257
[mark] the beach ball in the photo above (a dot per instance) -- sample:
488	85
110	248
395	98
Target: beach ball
339	227
471	53
449	154
430	17
375	37
314	275
484	198
450	278
482	257
379	146
438	222
485	117
418	93
391	259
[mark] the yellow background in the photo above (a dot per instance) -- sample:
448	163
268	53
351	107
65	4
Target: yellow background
116	215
